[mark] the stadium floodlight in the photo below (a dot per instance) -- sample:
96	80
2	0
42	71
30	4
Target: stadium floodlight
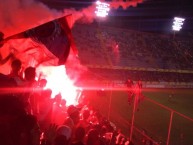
178	23
102	9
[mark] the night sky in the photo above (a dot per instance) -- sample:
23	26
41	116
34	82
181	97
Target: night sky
150	15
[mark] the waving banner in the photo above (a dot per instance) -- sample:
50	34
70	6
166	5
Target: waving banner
47	44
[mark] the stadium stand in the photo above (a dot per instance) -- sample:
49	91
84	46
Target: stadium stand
148	54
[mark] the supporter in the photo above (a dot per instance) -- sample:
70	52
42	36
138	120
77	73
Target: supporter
57	110
15	71
30	130
16	127
45	109
7	82
63	135
93	137
15	68
73	117
84	121
56	135
31	96
29	75
79	136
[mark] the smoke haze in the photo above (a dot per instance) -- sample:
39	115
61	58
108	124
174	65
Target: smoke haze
19	15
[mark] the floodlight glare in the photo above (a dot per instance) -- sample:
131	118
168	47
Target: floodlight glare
178	23
102	9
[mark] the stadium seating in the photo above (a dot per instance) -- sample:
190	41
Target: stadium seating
105	46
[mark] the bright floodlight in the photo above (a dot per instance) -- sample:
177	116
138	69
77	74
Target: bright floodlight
178	23
102	9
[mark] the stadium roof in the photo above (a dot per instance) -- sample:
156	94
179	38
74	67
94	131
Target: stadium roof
150	15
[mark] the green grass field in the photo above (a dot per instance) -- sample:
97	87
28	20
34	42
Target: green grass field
150	117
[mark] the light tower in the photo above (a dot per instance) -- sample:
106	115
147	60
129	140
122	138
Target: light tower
177	24
102	9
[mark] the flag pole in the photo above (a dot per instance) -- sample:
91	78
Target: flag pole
133	113
110	100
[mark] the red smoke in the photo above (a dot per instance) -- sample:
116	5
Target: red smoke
124	4
19	15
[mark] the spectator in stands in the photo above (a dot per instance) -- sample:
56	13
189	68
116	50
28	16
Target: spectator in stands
84	121
93	137
15	71
63	135
79	136
57	110
56	135
45	109
16	127
15	68
7	82
30	130
29	76
31	96
73	117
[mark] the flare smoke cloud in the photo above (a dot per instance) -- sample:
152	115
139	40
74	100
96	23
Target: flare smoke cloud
19	15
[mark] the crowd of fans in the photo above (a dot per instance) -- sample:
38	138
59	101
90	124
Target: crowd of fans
140	49
29	116
124	48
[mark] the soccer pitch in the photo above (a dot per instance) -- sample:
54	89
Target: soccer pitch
150	118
